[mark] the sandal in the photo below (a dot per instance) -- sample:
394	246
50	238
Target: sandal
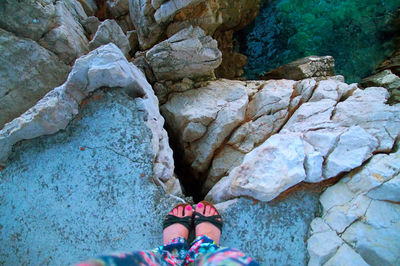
172	219
200	218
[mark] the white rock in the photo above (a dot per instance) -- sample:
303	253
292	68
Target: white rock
336	195
271	168
110	32
367	108
67	39
353	148
346	256
321	247
318	226
380	169
377	246
389	190
189	53
169	9
227	159
312	164
219	106
103	67
341	216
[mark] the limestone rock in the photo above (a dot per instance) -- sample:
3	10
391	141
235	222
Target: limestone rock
338	128
219	106
142	16
189	53
56	25
280	237
153	17
89	6
392	63
133	41
91	24
67	39
346	256
110	32
103	67
29	19
118	8
384	79
311	66
387	80
321	246
27	73
167	10
369	226
270	169
353	148
367	109
70	187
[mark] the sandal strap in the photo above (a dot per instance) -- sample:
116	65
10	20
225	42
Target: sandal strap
200	218
172	219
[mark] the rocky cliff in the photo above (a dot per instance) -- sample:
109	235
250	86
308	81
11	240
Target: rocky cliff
113	111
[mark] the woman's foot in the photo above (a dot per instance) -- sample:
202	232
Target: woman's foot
177	230
206	228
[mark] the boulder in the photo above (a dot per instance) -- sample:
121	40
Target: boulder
337	131
56	25
89	6
103	67
278	237
203	118
86	190
118	8
110	32
387	80
152	18
27	73
307	67
355	210
29	19
67	39
91	24
142	16
392	63
133	41
189	53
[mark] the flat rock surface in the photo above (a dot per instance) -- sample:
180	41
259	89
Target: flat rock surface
84	191
272	233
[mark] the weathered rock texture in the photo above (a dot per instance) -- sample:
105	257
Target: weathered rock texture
109	32
387	80
307	67
360	222
392	63
263	137
27	72
103	67
189	53
54	25
86	190
272	233
152	19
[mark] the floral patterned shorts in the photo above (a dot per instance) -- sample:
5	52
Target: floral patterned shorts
203	251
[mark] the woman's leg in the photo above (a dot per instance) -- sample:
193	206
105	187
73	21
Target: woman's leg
173	252
205	248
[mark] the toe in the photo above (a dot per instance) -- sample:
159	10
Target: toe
200	208
188	210
207	212
180	211
175	211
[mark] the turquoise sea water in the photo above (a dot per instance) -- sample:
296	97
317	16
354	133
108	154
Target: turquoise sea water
357	33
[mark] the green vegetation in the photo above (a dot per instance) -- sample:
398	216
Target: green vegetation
357	33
